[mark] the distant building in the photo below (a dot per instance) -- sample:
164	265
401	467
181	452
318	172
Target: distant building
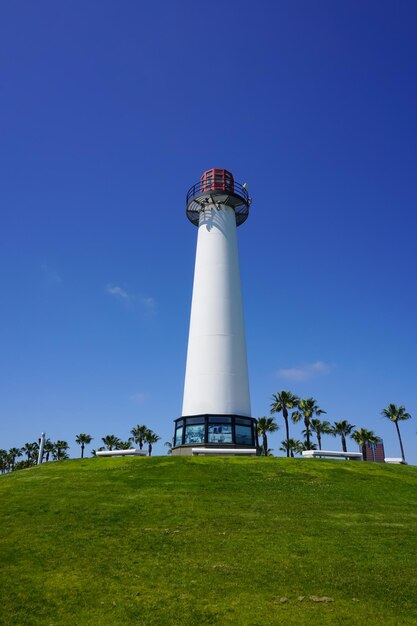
375	452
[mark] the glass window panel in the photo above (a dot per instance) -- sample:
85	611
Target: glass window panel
194	434
179	423
221	419
195	420
178	436
242	420
244	435
220	433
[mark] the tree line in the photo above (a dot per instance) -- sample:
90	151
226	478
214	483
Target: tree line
292	408
141	435
52	451
308	412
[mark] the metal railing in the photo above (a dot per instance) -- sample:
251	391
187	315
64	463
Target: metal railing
213	186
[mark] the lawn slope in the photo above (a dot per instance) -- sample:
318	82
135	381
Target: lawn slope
187	541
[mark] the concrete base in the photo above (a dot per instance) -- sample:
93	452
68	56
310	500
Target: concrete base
182	451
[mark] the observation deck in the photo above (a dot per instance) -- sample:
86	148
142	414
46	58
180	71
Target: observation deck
217	187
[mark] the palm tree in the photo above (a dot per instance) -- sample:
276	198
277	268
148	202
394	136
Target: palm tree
342	428
83	440
48	449
320	428
306	445
111	442
30	450
60	450
307	408
363	437
397	414
281	402
4	463
168	444
139	434
125	445
291	445
266	425
12	456
150	439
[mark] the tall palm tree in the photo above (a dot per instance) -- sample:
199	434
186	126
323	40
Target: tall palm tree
12	456
151	438
293	445
343	429
48	449
4	463
83	440
281	402
266	425
139	434
397	414
306	409
30	450
320	428
111	442
362	436
60	450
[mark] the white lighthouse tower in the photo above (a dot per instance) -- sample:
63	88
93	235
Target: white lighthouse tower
216	410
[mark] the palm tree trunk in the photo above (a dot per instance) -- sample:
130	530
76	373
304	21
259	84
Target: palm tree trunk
306	424
364	451
344	448
401	443
82	450
265	443
319	440
150	450
287	429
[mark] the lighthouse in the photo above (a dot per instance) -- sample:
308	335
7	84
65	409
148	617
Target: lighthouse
216	411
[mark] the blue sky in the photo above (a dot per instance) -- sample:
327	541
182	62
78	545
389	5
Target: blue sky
110	111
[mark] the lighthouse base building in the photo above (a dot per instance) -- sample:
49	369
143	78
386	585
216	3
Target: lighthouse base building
216	412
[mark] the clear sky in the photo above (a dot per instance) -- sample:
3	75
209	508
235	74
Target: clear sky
110	111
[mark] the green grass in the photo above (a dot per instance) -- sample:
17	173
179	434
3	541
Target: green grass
187	541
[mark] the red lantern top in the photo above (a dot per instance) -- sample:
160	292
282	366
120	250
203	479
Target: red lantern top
217	180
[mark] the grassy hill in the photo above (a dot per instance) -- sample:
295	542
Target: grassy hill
208	541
